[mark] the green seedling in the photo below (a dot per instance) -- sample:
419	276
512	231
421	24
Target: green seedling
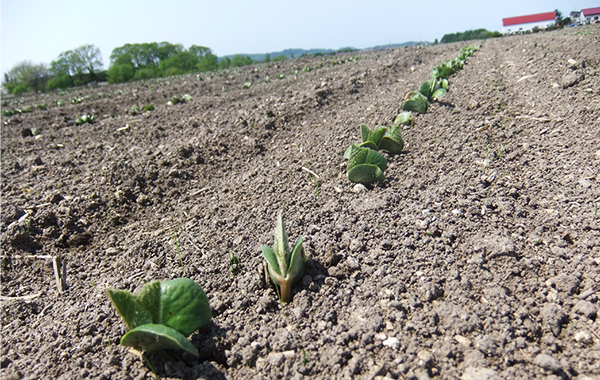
85	119
280	76
35	131
134	110
42	106
174	100
162	314
405	118
268	79
76	100
434	88
7	113
415	101
392	142
186	98
365	165
234	263
246	85
60	103
285	267
149	107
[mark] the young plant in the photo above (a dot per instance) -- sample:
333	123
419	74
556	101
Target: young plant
134	110
246	85
85	119
405	118
162	314
174	100
186	98
392	142
365	165
149	107
434	88
416	102
285	267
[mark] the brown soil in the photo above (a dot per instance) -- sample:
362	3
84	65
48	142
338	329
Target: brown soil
478	257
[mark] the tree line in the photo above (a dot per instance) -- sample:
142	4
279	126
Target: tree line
477	34
128	62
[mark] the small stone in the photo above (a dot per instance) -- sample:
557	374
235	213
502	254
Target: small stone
276	358
572	63
585	309
474	373
583	336
571	79
425	358
462	340
359	188
547	362
392	342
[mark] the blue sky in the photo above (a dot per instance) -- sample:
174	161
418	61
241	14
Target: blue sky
39	30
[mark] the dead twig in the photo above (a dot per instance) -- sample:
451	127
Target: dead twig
60	273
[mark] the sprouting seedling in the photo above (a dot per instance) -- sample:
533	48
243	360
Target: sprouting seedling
151	367
268	79
162	314
416	102
246	85
366	165
85	119
234	262
405	118
370	139
280	76
174	100
285	267
186	98
434	88
392	142
149	107
134	110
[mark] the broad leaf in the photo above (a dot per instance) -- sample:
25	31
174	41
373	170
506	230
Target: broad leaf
298	262
155	337
366	174
425	89
374	136
369	144
405	118
392	142
439	93
377	159
129	308
185	306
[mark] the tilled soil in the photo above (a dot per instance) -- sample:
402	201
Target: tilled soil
477	258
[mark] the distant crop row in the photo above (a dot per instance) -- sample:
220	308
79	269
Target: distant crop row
365	162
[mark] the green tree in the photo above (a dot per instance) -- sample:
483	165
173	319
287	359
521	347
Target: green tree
26	76
240	60
209	63
267	58
84	63
224	63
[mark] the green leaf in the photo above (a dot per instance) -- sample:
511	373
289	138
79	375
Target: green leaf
180	304
392	142
297	263
358	156
369	144
129	308
405	118
425	89
377	159
269	255
348	152
366	174
281	246
365	132
439	93
185	305
414	106
155	337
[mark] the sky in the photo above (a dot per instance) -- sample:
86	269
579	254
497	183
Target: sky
39	30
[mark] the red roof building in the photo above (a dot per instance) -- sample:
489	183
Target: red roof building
528	22
590	14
